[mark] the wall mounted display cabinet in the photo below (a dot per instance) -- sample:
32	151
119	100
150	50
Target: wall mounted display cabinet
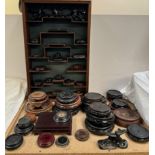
57	41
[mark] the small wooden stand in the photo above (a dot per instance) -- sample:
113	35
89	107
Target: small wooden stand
45	123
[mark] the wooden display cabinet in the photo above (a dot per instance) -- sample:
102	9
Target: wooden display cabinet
52	29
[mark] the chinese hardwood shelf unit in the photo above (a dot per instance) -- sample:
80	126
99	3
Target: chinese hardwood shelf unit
57	44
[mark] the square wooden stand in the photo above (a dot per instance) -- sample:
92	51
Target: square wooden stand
45	123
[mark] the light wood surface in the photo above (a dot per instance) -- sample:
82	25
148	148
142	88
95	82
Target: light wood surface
29	147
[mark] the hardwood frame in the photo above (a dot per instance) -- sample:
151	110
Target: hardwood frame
26	31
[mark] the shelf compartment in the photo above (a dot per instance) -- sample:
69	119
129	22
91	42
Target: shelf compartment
76	71
79	22
46	19
76	45
34	21
63	33
35	58
57	46
57	53
34	71
35	51
43	86
58	81
36	87
66	38
63	61
74	59
80	87
32	44
47	84
76	87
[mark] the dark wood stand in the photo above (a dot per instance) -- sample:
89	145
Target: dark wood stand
46	123
48	35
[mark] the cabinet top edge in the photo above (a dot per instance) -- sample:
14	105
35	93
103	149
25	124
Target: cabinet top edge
23	2
54	1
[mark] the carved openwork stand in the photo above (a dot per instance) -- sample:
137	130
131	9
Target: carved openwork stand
113	141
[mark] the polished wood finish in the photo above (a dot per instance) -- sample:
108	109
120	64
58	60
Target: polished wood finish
50	125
